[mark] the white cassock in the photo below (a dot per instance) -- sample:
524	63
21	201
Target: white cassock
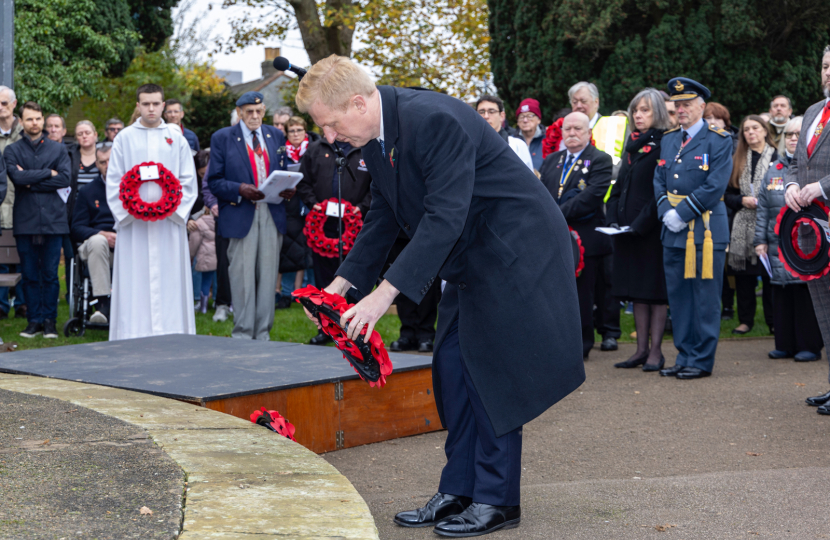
152	287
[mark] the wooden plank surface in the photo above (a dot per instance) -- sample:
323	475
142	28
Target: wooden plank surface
312	410
404	407
9	280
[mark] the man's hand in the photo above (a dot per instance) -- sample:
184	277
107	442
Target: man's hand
317	208
338	286
368	311
19	168
809	193
792	197
110	236
191	225
673	221
248	191
761	249
288	193
215	210
54	172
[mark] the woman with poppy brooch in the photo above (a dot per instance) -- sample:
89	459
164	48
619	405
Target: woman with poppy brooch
638	255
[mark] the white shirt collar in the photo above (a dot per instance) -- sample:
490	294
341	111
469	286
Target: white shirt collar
380	103
594	120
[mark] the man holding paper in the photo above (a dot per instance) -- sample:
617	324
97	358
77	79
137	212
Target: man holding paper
152	288
242	157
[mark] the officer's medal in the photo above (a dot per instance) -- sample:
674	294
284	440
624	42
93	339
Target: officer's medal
705	165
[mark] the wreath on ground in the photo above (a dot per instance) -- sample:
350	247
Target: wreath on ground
317	239
171	194
802	265
368	357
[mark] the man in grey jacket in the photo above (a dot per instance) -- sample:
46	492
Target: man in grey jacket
808	179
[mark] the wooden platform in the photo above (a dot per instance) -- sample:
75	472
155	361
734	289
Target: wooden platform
313	387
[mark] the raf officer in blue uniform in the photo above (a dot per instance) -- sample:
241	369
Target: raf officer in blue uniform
689	182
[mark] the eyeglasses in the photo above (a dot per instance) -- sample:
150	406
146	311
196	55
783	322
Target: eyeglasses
526	117
488	112
791	134
4	103
115	129
295	131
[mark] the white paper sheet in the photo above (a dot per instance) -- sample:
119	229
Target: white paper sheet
611	231
765	261
276	183
64	193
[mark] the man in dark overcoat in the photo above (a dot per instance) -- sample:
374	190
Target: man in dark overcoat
507	345
578	178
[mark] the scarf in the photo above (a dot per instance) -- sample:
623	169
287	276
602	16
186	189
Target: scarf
296	152
741	246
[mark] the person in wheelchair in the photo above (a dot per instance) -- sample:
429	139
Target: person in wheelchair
92	228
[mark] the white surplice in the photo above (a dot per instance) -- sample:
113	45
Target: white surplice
152	287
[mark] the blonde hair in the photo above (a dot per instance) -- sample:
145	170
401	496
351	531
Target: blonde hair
296	121
333	81
87	123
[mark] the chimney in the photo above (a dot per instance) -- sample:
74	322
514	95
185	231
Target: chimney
268	64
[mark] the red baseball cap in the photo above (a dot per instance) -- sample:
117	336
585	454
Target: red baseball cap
529	105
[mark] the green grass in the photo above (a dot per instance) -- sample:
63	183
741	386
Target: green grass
289	325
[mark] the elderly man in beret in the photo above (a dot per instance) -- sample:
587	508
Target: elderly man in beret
689	182
241	158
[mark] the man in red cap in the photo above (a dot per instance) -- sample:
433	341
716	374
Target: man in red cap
529	117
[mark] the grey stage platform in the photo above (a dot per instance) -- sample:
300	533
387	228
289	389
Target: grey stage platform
231	375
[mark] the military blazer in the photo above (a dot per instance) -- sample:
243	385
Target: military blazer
701	172
477	217
582	195
816	168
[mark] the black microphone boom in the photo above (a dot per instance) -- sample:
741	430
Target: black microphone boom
281	63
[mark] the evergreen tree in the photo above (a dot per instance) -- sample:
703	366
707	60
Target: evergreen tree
744	51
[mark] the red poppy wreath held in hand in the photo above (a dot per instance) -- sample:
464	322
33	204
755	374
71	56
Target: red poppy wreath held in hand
171	194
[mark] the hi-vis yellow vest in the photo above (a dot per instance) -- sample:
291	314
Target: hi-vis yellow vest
609	134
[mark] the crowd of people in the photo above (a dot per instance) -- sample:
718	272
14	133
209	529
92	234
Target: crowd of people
689	198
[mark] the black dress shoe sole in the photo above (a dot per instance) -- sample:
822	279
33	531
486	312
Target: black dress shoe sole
824	411
512	524
420	525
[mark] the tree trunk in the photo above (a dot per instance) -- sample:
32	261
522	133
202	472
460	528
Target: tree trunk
322	40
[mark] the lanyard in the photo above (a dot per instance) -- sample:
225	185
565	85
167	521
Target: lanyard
567	174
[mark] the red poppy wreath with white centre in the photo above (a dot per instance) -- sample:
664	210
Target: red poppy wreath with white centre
171	194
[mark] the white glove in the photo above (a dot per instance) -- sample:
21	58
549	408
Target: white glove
673	221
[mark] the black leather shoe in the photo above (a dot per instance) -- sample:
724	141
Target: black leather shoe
609	344
807	356
815	401
21	312
633	362
692	373
777	355
440	506
824	409
672	371
403	344
320	339
658	367
425	346
479	519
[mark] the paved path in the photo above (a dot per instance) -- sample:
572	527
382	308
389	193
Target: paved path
737	455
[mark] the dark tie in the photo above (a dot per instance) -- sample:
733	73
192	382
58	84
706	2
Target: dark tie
382	147
257	147
685	136
569	163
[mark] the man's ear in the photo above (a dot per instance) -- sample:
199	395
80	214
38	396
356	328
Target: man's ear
360	104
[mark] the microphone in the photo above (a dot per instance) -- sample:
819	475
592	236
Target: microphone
281	63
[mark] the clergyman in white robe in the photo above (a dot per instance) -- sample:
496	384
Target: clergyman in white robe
152	288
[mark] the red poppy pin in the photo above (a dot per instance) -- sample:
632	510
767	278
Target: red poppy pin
661	163
392	157
779	166
169	141
646	149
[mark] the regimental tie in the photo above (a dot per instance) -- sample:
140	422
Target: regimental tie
257	147
825	117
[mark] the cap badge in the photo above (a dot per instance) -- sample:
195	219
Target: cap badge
525	108
679	86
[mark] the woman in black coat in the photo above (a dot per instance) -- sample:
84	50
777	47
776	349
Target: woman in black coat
638	255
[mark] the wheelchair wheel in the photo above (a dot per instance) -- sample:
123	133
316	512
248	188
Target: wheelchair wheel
73	328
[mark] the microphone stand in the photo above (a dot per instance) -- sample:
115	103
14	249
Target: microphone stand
341	162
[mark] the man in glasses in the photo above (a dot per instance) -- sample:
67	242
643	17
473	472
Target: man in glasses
529	118
491	109
111	129
11	130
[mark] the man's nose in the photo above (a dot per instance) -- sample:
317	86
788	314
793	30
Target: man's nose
330	135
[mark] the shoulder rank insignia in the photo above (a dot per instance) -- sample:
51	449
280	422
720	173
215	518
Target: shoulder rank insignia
581	185
720	131
672	129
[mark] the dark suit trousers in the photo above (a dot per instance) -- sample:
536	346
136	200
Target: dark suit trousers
479	465
418	320
223	280
796	327
607	314
586	285
324	269
747	302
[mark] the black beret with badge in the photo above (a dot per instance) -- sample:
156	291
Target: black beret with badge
683	89
249	98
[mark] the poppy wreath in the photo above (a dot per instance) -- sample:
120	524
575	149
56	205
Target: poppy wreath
274	421
804	266
553	136
579	251
368	358
171	194
322	244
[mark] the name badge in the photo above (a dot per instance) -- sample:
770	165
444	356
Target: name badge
149	172
331	209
